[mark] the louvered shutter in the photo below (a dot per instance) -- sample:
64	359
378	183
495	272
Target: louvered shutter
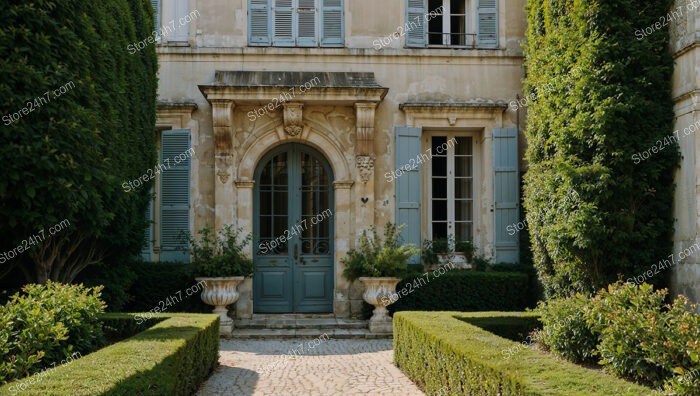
174	194
182	26
506	187
259	22
487	24
282	23
408	186
416	35
306	23
332	23
147	251
156	11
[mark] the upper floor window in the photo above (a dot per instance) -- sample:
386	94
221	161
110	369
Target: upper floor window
452	23
296	23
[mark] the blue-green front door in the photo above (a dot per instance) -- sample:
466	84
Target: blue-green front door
293	250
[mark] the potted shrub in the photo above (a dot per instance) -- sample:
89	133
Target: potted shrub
436	253
463	254
220	264
379	263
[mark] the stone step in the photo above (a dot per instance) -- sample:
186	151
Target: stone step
239	333
291	323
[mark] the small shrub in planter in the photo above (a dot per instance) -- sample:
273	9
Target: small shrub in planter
221	255
565	331
377	256
47	323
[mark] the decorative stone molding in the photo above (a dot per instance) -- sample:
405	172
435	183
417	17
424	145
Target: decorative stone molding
365	165
343	184
364	114
245	183
293	115
223	166
222	115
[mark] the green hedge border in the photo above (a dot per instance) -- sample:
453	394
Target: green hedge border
173	357
446	355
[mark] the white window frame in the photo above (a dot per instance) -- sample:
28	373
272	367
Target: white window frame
451	221
470	21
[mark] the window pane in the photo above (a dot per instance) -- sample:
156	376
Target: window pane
435	24
439	209
463	146
279	170
463	166
265	203
439	166
439	230
279	205
463	231
438	144
458	30
463	188
463	210
440	187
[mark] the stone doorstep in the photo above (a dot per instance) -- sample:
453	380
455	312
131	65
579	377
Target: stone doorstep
306	334
290	323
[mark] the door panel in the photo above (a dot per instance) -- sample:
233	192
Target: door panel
293	251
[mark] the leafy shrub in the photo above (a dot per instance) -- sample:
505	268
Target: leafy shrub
377	256
155	282
47	323
116	278
460	290
444	354
564	329
644	339
221	255
593	211
171	358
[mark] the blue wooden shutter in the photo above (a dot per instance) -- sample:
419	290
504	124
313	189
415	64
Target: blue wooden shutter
156	11
506	187
487	23
259	22
332	23
283	23
408	185
174	194
306	17
415	23
147	251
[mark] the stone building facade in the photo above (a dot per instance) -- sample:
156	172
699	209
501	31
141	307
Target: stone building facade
684	24
315	116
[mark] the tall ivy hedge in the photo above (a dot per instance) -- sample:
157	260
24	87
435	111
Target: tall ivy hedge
597	95
67	154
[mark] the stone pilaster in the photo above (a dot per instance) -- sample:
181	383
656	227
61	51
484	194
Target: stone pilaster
222	114
364	161
343	234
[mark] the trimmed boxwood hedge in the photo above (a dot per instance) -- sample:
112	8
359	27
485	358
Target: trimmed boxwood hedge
173	357
465	291
445	355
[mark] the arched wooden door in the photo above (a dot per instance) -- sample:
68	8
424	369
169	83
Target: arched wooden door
293	232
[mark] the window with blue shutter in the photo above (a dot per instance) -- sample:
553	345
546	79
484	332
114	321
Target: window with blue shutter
415	23
332	23
296	23
174	170
505	191
487	23
408	185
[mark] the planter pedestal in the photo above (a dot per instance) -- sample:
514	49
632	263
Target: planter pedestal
221	292
379	292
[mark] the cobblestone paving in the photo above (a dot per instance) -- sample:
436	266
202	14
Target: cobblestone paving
316	367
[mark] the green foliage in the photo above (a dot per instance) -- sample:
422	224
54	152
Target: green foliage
67	158
432	248
221	255
155	282
45	324
171	358
565	331
444	354
117	279
377	256
596	96
120	326
459	290
644	339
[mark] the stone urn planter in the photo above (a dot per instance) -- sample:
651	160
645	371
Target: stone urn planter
221	292
379	292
